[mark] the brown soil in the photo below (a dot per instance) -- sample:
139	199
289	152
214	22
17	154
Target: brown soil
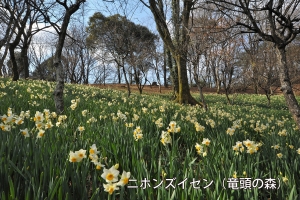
155	89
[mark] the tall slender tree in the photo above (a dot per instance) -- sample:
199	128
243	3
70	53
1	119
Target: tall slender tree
60	25
176	44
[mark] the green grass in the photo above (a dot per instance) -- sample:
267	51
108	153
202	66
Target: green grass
39	168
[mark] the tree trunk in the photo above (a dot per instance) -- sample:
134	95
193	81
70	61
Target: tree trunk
183	96
200	88
178	44
8	34
24	59
2	61
127	82
218	83
165	66
173	73
227	97
119	74
60	74
14	62
286	86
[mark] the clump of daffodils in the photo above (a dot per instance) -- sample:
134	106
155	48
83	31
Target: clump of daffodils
173	128
165	138
282	132
203	147
235	125
251	146
211	123
159	123
77	156
60	121
135	117
198	127
94	157
165	135
230	131
137	133
111	175
42	122
10	120
91	120
74	103
121	115
129	125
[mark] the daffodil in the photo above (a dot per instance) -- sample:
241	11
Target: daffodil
285	179
19	121
39	125
165	138
206	141
39	117
276	146
98	165
138	136
84	112
230	131
4	118
81	153
48	125
110	187
234	174
279	155
73	157
110	175
93	149
40	133
124	178
247	143
80	128
25	132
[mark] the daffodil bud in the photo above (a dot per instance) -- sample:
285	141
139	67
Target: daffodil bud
116	166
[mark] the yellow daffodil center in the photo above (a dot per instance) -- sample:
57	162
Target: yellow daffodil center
111	190
92	151
125	181
73	159
109	177
81	155
98	167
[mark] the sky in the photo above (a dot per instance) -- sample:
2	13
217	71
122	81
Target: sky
134	10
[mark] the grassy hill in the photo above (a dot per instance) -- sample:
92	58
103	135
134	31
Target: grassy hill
243	151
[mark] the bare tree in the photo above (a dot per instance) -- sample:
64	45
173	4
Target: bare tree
274	21
41	53
7	29
20	13
50	11
250	44
178	44
268	74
